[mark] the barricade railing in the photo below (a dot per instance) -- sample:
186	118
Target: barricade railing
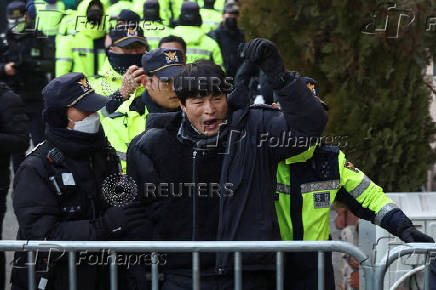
400	251
154	247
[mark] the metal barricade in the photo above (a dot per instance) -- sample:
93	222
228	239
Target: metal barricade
237	247
400	251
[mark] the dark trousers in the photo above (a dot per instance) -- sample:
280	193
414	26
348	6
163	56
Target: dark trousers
251	280
36	128
4	188
301	271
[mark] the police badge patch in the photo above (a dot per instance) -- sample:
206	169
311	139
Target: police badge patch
321	199
350	166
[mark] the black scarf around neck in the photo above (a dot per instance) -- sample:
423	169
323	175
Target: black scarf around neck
188	134
74	143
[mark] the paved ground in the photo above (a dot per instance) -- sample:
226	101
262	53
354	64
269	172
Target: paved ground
10	227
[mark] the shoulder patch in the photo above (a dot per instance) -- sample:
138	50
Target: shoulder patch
350	166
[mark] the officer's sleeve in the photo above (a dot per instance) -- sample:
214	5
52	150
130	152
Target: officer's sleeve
14	133
38	213
301	120
64	55
364	198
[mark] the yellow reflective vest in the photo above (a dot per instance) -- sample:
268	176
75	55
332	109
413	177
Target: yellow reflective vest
123	125
198	44
308	184
211	19
84	51
49	16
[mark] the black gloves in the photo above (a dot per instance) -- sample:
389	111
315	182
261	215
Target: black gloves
265	54
412	235
118	220
398	224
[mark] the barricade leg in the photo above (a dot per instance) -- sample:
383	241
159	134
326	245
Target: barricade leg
72	269
31	270
280	277
196	270
114	271
238	271
320	270
154	271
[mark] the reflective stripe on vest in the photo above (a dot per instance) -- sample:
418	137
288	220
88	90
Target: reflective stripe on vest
361	187
381	214
65	59
154	38
198	51
320	185
283	188
99	50
211	22
83	49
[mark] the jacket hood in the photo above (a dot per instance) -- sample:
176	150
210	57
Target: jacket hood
191	34
82	22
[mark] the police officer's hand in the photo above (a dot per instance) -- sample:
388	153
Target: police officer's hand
9	69
131	80
122	219
412	235
265	54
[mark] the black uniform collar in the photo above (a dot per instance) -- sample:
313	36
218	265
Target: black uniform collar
145	101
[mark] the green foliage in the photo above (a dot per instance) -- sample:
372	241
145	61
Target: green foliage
373	83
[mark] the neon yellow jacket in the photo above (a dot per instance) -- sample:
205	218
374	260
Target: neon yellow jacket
49	16
211	19
320	176
198	44
84	51
123	125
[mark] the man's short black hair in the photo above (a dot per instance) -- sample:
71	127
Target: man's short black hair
199	79
173	38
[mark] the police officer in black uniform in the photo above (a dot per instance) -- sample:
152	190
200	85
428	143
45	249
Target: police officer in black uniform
14	137
58	187
26	66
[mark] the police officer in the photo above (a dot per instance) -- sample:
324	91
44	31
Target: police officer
119	78
211	17
84	51
307	186
159	65
176	42
58	188
199	45
14	137
26	66
154	26
229	36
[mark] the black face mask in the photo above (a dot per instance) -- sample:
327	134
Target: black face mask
231	23
151	14
94	16
121	62
209	4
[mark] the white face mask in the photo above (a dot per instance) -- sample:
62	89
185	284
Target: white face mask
90	124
